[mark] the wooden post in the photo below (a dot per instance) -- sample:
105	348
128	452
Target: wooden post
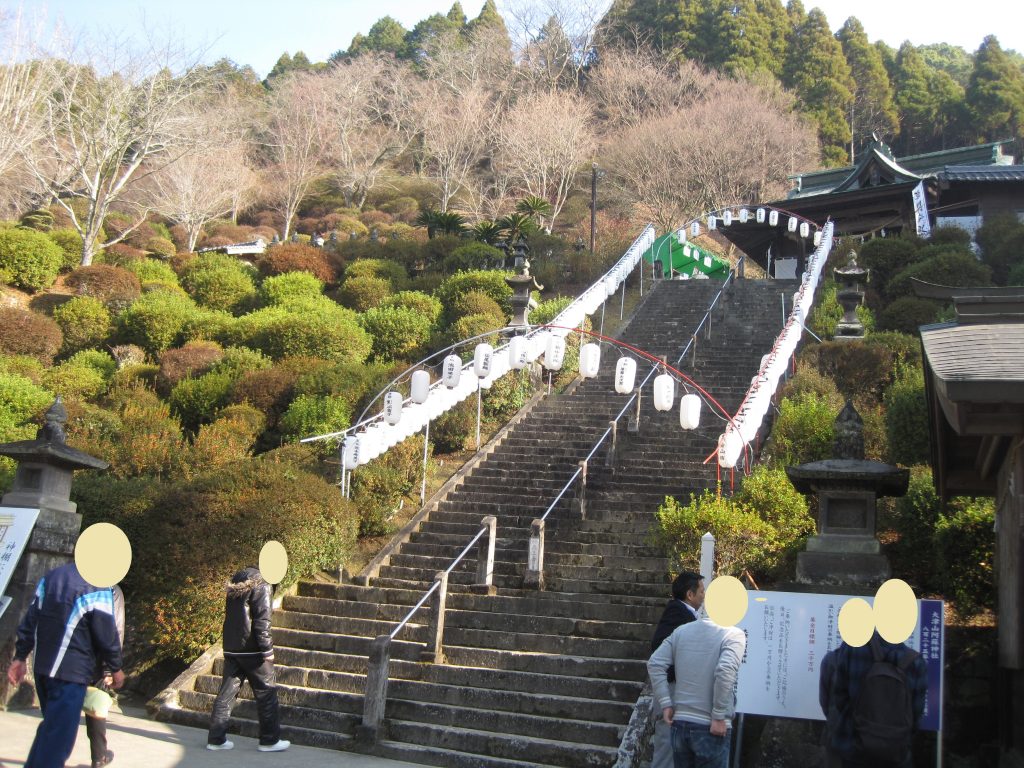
610	458
485	558
434	652
634	423
369	730
579	504
535	557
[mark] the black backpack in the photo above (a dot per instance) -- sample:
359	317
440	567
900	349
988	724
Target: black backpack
883	715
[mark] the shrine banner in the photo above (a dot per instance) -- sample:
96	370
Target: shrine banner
15	528
924	227
788	633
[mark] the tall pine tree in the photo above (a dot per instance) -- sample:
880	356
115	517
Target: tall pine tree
739	37
872	109
817	71
917	106
995	93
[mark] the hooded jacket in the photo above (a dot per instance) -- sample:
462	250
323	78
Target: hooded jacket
70	626
247	615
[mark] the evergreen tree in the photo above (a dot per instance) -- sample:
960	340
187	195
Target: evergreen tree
386	35
951	126
670	26
739	37
456	15
817	71
995	93
913	99
287	63
432	30
776	20
951	59
489	17
872	109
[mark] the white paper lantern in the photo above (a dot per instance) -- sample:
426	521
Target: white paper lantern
610	285
695	229
554	353
727	219
730	444
625	375
681	235
744	215
452	371
712	222
759	215
482	357
817	238
805	229
369	444
689	411
791	224
590	360
664	392
393	407
350	452
773	218
419	388
518	353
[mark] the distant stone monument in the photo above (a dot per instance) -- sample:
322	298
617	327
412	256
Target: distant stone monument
521	285
850	296
845	551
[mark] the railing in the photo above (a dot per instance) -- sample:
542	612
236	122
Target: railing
535	553
375	697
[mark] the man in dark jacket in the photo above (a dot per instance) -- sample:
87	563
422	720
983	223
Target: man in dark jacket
687	598
248	655
70	627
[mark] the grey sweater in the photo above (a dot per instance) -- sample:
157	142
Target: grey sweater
707	661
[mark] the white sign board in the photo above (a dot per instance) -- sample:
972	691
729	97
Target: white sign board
4	602
924	227
788	633
15	528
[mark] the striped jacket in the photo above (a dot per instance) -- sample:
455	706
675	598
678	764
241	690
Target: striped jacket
70	626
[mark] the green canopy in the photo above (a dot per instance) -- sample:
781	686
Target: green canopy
685	259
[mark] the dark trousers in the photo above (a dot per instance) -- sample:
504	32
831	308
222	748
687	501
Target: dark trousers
96	730
61	703
260	675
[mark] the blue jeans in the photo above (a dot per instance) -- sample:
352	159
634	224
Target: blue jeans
61	703
694	746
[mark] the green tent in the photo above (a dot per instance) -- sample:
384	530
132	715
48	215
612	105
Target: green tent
688	259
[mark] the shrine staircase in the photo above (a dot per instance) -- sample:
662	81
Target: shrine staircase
532	678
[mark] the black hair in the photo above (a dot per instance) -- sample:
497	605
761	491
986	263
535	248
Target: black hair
685	582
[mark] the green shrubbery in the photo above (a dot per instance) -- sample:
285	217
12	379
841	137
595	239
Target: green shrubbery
23	332
489	282
217	281
114	286
29	259
398	333
906	419
804	430
363	292
282	289
156	320
421	302
84	321
380	487
311	328
391	271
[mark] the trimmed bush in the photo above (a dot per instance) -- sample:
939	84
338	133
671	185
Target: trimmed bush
451	431
491	283
75	382
966	542
915	516
321	329
217	281
906	314
507	395
309	415
355	383
281	289
296	257
808	380
888	256
23	365
197	401
474	256
84	321
905	347
474	325
156	320
238	361
474	303
40	219
950	268
363	292
403	209
804	431
398	333
418	301
162	247
391	271
379	488
96	359
192	359
228	439
22	403
120	255
906	420
857	369
114	286
153	273
23	332
29	259
70	244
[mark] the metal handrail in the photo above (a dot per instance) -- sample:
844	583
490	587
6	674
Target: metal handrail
632	399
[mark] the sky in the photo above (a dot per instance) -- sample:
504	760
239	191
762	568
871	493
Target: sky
257	32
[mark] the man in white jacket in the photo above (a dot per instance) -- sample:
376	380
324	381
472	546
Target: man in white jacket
701	703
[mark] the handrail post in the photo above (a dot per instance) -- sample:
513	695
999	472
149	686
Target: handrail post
579	504
370	729
434	652
485	558
610	458
693	359
633	424
535	557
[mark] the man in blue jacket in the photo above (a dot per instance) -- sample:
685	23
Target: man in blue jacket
70	626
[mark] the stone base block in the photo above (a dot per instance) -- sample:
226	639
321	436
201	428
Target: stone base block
844	545
834	568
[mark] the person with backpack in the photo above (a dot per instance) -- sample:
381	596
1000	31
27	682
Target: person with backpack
877	700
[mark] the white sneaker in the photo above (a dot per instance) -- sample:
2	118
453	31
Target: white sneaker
225	745
281	746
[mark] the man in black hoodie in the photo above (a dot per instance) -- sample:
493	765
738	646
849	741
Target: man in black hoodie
248	655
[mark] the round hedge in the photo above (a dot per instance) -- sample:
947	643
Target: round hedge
192	359
156	320
363	292
23	332
421	302
948	268
474	303
399	333
906	314
280	289
491	283
313	330
114	286
29	259
84	321
296	257
389	270
217	281
70	243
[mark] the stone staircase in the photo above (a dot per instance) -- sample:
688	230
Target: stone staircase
532	678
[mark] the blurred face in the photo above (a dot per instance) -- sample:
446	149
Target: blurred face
695	597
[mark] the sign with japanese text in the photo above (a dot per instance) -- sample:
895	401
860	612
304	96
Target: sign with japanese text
15	528
788	633
924	227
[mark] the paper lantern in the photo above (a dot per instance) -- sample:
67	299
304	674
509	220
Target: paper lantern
610	286
730	444
350	452
681	235
554	353
419	388
689	411
369	444
817	238
518	353
759	215
590	360
805	229
452	371
744	215
791	224
773	218
482	358
727	218
695	229
712	222
393	407
664	392
625	375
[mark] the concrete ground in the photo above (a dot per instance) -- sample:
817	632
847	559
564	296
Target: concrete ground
138	742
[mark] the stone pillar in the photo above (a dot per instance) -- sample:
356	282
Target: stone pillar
521	285
42	481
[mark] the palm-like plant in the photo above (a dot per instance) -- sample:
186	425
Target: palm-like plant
537	208
490	232
441	223
517	225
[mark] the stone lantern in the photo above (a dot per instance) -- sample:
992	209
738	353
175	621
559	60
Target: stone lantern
850	296
521	284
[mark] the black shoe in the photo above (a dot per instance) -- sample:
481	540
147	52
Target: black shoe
107	759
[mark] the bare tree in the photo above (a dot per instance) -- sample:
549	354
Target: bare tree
103	132
544	140
206	183
555	40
